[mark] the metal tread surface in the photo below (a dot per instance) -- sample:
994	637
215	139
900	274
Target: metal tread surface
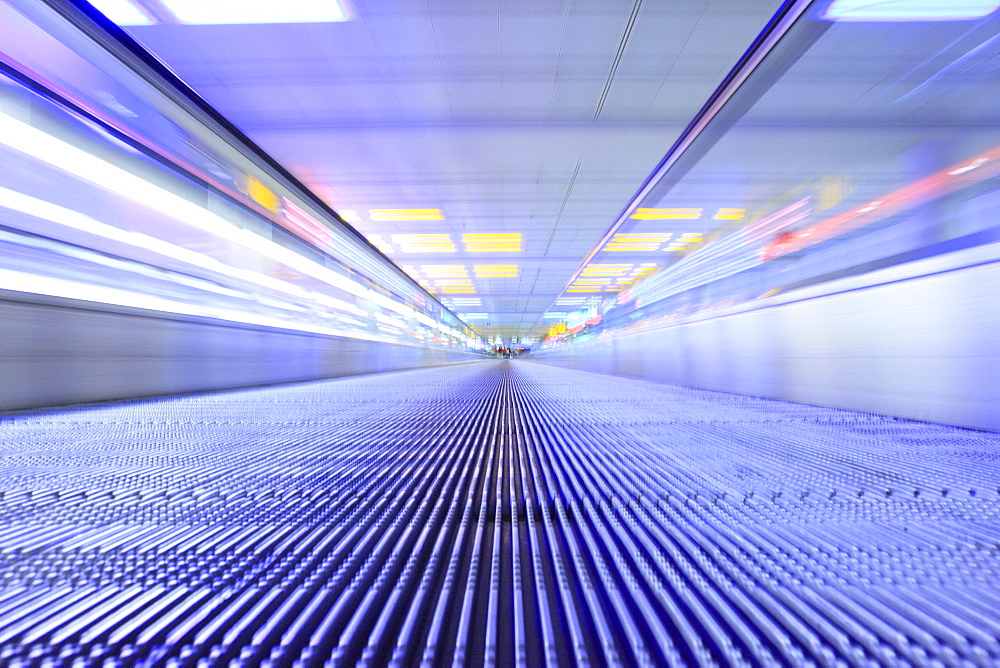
505	513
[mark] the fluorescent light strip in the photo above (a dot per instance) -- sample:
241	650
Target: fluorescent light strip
492	243
444	270
908	10
637	236
730	214
80	222
16	281
421	238
122	12
405	215
215	12
473	237
495	271
606	272
666	214
31	141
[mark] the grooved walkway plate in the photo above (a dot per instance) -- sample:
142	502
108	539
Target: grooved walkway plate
504	513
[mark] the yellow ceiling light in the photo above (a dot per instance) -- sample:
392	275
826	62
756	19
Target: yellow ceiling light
606	269
492	243
452	281
666	214
457	289
421	238
631	241
424	243
729	214
350	216
444	270
404	215
202	12
495	270
642	237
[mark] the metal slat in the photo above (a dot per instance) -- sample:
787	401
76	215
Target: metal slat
497	513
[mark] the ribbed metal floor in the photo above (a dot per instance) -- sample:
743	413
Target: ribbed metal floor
497	512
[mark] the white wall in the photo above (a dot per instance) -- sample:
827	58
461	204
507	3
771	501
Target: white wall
926	348
59	352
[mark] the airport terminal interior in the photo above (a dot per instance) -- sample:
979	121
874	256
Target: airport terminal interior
499	332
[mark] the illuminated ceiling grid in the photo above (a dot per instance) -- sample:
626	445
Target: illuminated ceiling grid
531	118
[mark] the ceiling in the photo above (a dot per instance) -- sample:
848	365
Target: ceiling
537	118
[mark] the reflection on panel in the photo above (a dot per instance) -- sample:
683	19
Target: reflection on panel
89	213
856	145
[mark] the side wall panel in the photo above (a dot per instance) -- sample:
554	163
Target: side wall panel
54	355
926	348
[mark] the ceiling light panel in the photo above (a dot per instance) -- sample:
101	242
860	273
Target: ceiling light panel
495	270
404	215
603	278
217	12
444	270
666	214
424	243
636	242
492	243
730	214
452	281
606	269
